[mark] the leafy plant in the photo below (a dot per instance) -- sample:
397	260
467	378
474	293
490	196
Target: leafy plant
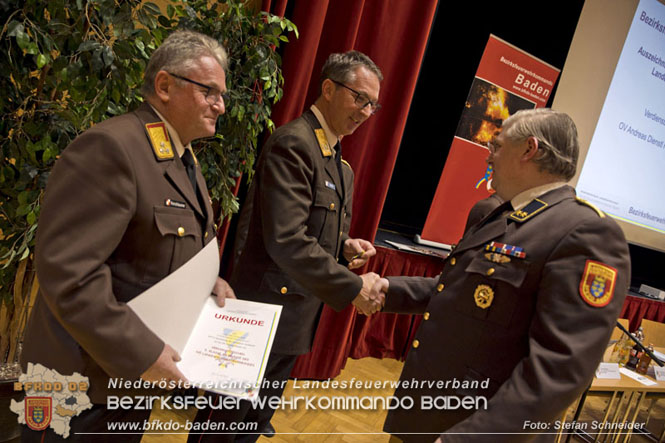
68	64
254	79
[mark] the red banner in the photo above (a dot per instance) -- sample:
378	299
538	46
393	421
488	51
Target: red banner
507	80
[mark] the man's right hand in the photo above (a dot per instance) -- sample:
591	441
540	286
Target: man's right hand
164	368
368	302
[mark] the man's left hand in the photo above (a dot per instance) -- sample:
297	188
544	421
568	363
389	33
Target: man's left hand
357	252
223	291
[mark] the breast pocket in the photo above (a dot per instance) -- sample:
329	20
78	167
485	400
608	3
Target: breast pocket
179	236
494	288
324	218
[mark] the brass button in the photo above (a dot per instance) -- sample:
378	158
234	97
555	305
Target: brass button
181	231
490	271
283	290
332	206
416	343
426	316
453	261
205	235
440	287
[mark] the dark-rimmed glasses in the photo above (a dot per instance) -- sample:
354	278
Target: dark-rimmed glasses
212	95
361	100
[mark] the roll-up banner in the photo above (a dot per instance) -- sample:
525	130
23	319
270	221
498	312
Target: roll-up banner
507	80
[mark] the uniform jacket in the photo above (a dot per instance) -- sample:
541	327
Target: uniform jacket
115	220
536	344
481	209
291	232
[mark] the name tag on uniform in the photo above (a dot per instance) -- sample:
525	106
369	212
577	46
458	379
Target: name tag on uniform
331	185
175	203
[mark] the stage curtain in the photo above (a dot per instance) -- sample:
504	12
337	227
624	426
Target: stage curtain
347	334
637	308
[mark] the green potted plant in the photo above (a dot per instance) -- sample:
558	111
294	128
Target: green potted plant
69	64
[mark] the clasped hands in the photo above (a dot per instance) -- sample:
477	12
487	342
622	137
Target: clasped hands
372	296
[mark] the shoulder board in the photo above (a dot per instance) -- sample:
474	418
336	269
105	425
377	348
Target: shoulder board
323	142
533	208
600	213
159	140
346	163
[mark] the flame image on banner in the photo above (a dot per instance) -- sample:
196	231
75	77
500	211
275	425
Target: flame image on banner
486	107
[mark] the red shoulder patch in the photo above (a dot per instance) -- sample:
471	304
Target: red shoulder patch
597	284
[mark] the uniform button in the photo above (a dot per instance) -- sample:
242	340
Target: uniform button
453	261
440	287
426	316
205	235
181	231
284	290
332	206
416	343
490	271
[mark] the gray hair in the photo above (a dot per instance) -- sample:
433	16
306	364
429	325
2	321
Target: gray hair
556	133
342	67
179	53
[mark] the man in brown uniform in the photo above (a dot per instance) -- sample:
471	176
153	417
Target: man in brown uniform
297	219
518	320
121	212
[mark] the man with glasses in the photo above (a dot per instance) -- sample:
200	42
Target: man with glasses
125	206
293	247
515	325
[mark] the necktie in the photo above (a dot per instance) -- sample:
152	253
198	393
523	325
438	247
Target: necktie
338	160
190	165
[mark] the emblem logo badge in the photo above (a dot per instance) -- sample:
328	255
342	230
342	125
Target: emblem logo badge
597	284
484	296
38	412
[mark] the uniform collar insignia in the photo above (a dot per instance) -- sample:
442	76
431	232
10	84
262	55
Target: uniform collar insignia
323	142
159	140
531	209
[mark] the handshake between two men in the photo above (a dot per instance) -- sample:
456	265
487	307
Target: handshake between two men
371	297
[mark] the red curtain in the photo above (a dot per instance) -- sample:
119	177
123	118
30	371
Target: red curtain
637	308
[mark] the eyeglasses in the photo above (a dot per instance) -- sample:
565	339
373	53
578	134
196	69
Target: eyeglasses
212	95
361	100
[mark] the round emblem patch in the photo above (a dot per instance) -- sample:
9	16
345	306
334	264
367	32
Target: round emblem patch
484	295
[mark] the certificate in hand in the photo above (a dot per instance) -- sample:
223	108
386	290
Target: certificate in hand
223	349
228	349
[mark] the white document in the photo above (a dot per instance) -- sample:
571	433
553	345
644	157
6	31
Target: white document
416	249
659	372
608	370
229	347
171	307
635	376
180	311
